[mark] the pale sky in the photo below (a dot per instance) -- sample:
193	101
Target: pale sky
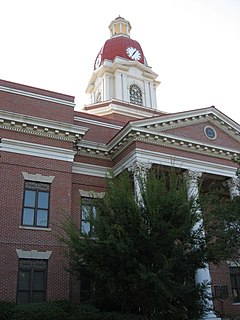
193	45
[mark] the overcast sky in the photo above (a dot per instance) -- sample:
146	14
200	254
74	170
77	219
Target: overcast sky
193	45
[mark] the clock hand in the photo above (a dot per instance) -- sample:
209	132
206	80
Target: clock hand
134	52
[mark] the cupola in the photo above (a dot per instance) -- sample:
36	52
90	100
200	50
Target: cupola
121	73
120	44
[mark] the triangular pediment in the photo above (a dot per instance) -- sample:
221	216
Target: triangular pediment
206	126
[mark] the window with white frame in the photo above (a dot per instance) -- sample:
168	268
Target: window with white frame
36	204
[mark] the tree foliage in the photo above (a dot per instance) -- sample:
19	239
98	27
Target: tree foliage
222	223
143	258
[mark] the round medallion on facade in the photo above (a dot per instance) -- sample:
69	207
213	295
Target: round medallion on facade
210	133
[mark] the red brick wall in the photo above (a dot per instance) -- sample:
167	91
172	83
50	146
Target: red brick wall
29	89
220	276
36	107
14	237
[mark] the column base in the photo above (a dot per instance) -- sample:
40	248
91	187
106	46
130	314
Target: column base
211	316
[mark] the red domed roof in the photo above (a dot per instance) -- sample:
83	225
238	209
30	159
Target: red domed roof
116	46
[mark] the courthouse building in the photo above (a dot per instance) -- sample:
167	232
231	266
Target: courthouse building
53	158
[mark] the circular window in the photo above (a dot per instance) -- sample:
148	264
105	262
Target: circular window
210	133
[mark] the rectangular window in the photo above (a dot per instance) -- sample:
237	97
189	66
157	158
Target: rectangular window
235	283
36	204
32	281
88	213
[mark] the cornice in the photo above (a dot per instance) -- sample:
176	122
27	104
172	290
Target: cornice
93	149
90	169
169	121
163	159
168	140
40	127
119	63
122	65
130	134
232	129
152	157
37	150
129	110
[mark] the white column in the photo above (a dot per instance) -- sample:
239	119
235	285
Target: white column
106	87
139	170
202	275
234	185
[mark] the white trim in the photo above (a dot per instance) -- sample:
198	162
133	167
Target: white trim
92	144
98	123
37	177
37	150
37	96
35	228
33	254
177	138
233	264
91	194
176	161
173	138
204	112
41	122
124	110
90	169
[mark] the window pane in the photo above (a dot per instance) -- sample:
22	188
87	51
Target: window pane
235	295
43	200
42	216
38	296
85	227
29	200
28	217
85	211
24	280
38	280
23	297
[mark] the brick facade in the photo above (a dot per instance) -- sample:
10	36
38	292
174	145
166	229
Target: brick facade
43	136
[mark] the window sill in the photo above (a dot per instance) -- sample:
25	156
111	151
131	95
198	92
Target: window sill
35	228
236	303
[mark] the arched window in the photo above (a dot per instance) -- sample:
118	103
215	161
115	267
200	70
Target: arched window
135	95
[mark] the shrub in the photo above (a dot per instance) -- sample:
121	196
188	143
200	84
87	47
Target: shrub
54	310
6	310
59	310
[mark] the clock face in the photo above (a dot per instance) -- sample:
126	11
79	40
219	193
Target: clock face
98	61
133	53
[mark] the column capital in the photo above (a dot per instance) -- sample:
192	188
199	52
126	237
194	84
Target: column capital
138	167
192	175
234	186
139	171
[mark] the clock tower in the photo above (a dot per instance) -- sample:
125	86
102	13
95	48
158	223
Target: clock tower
121	75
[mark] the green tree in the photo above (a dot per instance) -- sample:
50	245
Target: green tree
222	224
143	258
